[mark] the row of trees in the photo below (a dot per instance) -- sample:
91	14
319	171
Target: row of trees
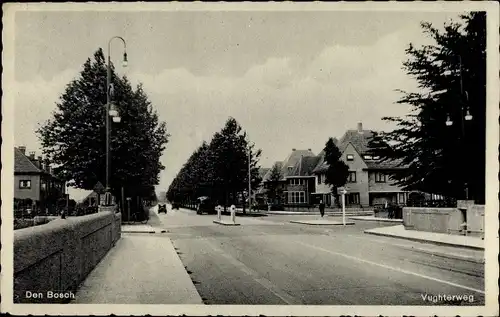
218	169
446	159
74	137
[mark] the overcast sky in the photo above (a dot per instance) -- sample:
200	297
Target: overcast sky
291	79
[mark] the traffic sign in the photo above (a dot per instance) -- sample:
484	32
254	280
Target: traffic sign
341	191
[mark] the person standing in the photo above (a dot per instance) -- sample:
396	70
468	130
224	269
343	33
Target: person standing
321	208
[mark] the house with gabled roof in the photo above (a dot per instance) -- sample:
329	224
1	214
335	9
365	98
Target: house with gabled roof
369	181
33	177
297	182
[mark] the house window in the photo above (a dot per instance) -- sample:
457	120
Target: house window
320	178
376	157
296	197
290	168
352	198
380	178
350	157
402	198
352	177
24	184
297	181
368	157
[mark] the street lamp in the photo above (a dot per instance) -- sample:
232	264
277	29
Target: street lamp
463	117
111	111
249	181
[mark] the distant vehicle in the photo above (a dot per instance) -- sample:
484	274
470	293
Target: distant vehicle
175	205
162	208
205	204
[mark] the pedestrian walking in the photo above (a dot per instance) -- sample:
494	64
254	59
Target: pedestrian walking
321	208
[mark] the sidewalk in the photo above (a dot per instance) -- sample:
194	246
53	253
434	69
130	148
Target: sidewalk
321	222
430	237
140	228
373	218
139	270
316	212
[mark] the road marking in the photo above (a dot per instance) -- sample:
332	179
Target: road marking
287	298
391	268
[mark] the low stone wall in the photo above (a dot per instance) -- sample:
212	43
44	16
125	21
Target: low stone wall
51	260
475	221
446	220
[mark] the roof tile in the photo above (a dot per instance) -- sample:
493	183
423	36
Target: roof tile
22	164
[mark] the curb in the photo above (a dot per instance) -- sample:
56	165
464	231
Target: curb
226	223
317	213
448	244
156	231
176	251
378	220
321	224
450	256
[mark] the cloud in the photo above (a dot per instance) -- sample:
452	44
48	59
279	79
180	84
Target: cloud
35	100
283	103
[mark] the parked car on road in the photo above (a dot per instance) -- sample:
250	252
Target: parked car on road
205	204
162	208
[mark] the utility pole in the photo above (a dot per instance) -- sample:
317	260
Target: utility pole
249	181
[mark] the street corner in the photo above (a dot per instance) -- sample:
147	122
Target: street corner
322	222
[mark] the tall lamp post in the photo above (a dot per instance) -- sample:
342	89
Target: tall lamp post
463	116
249	181
111	111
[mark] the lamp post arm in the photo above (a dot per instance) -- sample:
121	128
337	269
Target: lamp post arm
109	44
108	123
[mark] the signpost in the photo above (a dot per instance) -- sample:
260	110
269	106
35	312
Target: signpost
342	191
233	213
128	209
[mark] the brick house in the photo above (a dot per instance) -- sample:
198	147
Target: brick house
369	181
297	181
33	178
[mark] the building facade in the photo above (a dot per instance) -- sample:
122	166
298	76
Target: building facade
33	178
369	182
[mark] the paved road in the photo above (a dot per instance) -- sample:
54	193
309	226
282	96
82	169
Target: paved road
271	261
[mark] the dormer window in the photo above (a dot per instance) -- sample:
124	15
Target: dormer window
290	168
350	157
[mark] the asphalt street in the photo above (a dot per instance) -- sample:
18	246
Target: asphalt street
268	260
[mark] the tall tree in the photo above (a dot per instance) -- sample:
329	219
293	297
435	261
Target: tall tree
228	154
74	138
274	190
451	74
337	171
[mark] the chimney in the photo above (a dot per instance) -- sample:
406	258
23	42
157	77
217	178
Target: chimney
360	127
293	150
22	149
309	150
32	156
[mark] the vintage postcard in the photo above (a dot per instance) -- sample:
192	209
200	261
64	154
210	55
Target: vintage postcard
278	159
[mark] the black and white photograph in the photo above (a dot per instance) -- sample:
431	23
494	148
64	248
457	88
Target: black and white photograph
281	159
